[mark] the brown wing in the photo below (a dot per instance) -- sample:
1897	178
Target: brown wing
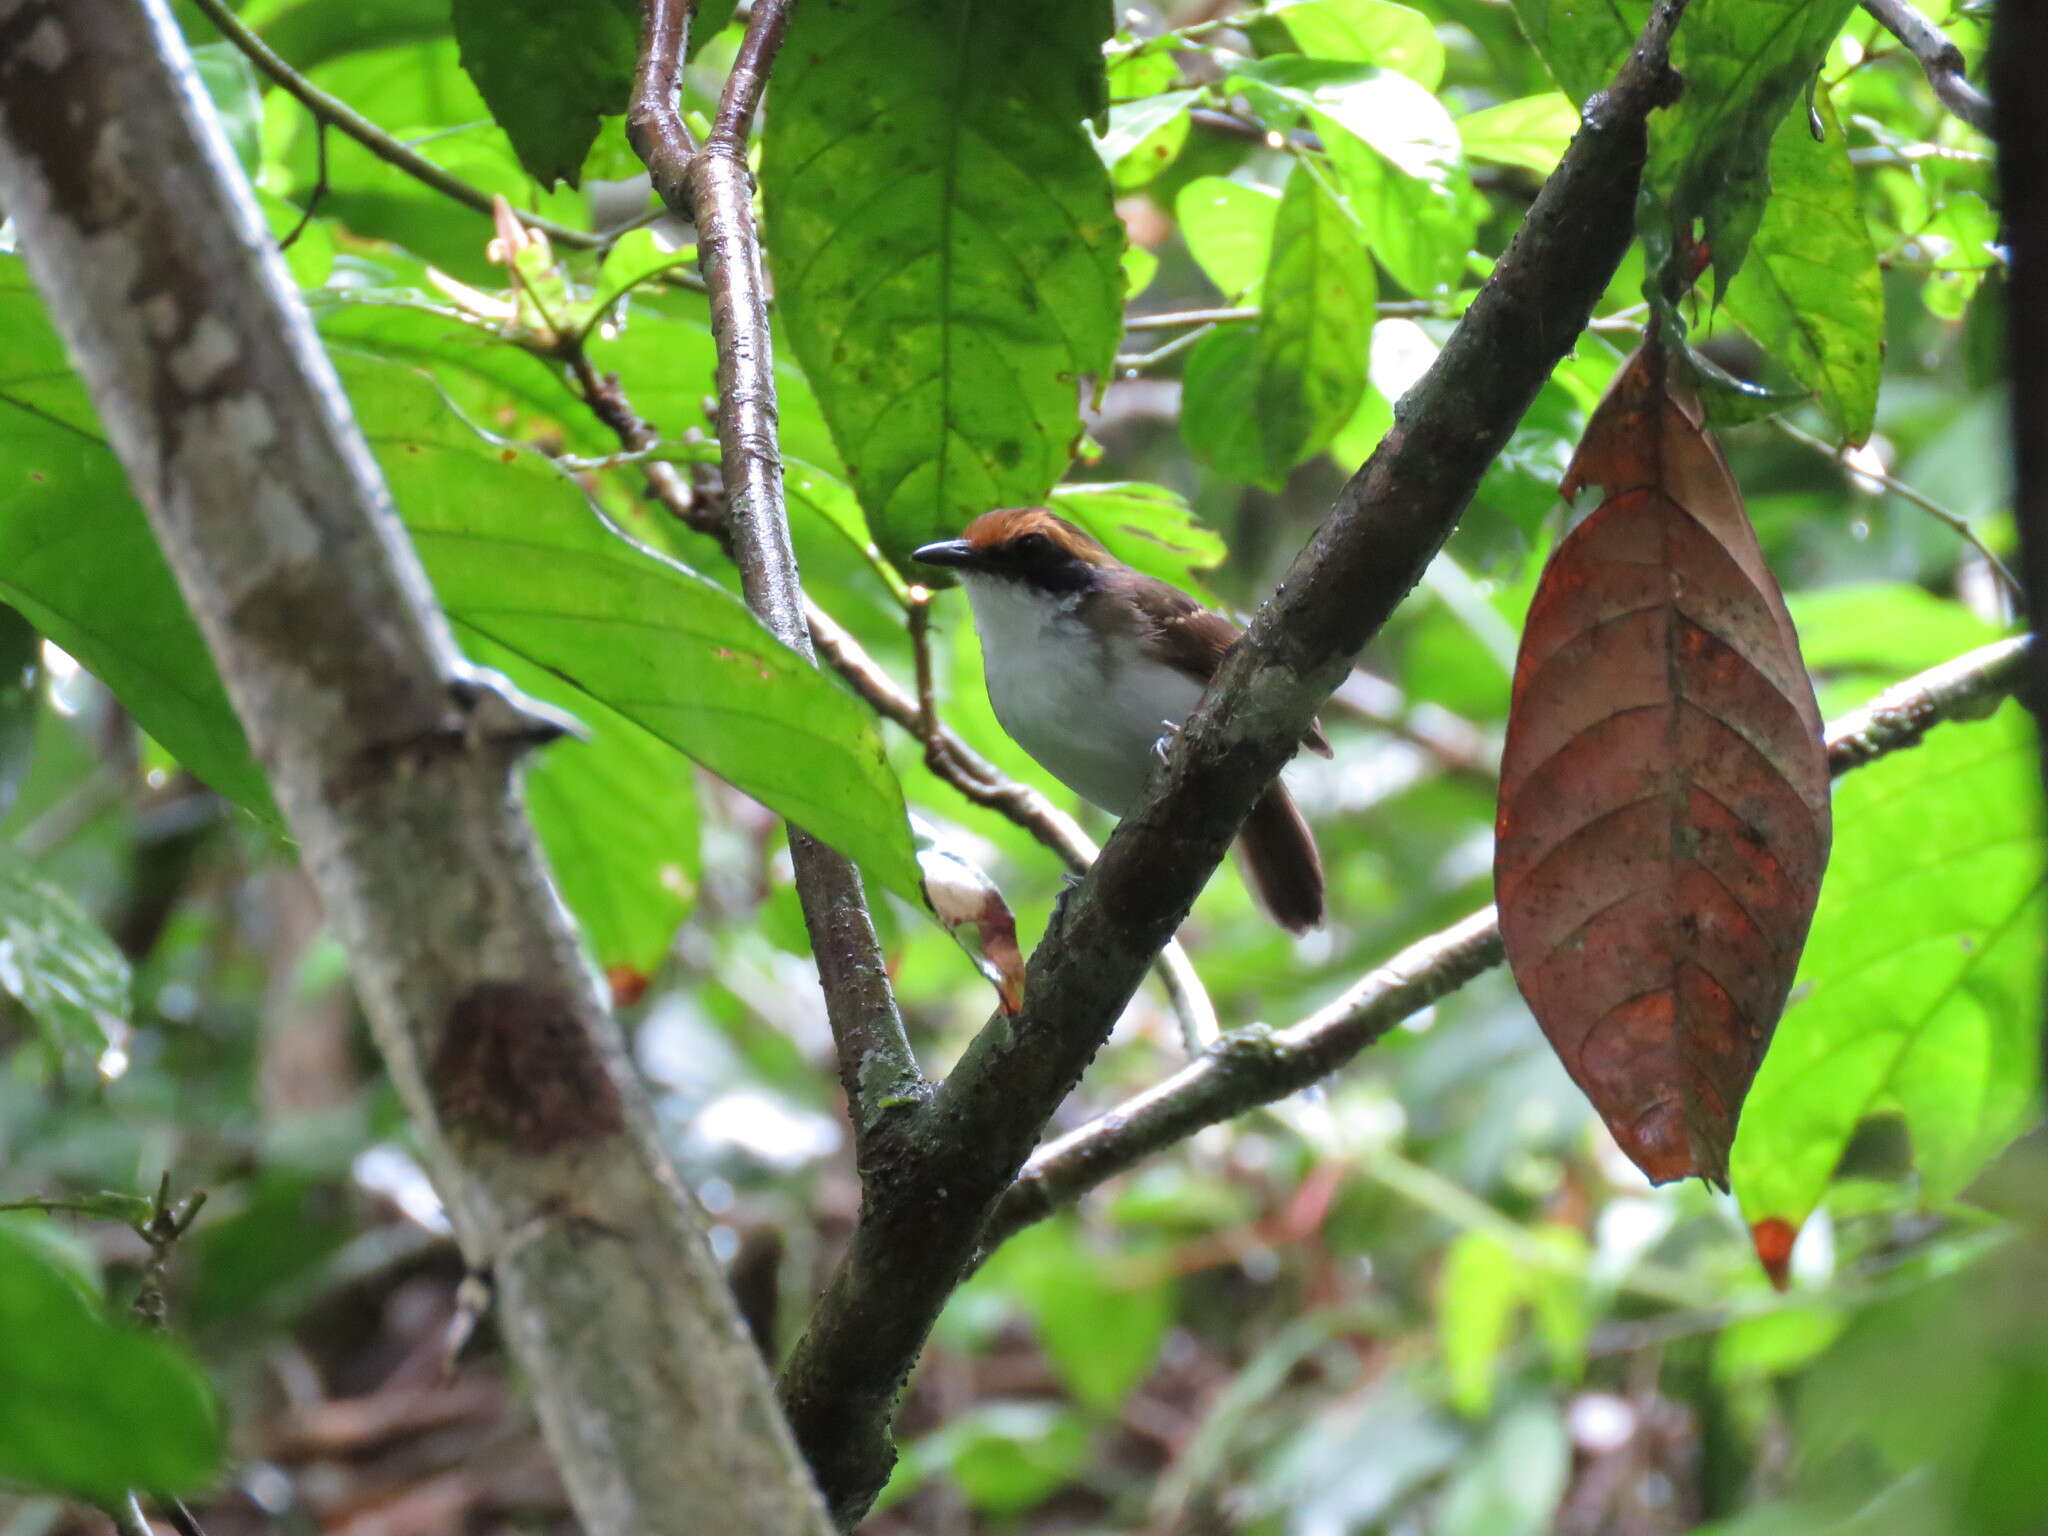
1194	640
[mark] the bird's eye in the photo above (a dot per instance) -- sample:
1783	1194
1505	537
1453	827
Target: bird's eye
1033	545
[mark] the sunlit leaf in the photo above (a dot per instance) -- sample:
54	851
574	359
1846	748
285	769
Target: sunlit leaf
1920	993
1367	32
1228	227
1532	132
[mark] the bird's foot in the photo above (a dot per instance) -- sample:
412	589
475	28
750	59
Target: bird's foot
1167	732
1069	883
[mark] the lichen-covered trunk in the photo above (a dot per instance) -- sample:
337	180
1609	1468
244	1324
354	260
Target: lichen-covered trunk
393	763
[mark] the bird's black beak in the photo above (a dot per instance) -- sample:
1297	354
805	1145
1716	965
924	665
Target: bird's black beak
948	552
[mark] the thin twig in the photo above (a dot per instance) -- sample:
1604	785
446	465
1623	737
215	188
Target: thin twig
319	187
1939	57
1934	509
712	188
1254	1066
337	113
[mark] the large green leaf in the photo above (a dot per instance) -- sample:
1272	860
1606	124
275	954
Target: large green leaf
79	562
58	964
1920	990
89	1407
528	566
549	70
1583	44
641	646
945	248
1259	402
1146	526
1367	32
1745	63
1811	291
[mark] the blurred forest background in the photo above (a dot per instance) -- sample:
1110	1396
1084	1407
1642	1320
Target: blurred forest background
1429	1296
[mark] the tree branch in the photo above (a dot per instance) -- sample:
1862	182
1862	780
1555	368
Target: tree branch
713	189
1939	57
333	112
1254	1066
393	762
920	1226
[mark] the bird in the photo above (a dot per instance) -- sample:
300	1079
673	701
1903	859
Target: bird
1091	668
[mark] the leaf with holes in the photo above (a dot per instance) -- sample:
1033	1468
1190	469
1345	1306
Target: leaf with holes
946	252
1664	816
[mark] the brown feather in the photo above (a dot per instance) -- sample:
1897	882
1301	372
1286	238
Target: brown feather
1281	862
1006	525
1191	639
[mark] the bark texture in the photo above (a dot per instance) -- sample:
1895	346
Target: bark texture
393	762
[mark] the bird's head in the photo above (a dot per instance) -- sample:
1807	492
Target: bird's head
1027	545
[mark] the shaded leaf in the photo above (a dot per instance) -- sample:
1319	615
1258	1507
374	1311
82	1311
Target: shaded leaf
89	1407
79	562
1747	64
549	71
1921	989
20	666
1583	44
531	568
1478	1294
59	964
1145	526
1663	816
946	253
1811	292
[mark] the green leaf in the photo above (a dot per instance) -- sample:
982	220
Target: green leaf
1228	227
90	1408
519	559
59	964
1747	66
1920	989
617	815
1583	44
1479	1292
1512	1486
1532	132
1888	628
1144	136
549	71
79	562
945	247
1811	292
1146	526
1307	355
1004	1456
1102	1335
1396	155
1367	32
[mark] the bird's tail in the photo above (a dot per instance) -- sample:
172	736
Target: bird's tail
1281	862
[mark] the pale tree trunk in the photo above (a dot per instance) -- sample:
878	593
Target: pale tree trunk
394	766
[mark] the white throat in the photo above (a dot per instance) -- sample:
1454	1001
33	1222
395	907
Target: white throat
1089	711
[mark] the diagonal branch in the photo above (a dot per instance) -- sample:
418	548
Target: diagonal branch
1250	1067
1939	57
712	187
333	112
394	763
919	1228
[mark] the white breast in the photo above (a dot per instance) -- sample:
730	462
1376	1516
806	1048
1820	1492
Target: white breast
1087	720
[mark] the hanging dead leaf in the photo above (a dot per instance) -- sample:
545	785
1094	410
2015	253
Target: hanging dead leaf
971	908
1663	817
